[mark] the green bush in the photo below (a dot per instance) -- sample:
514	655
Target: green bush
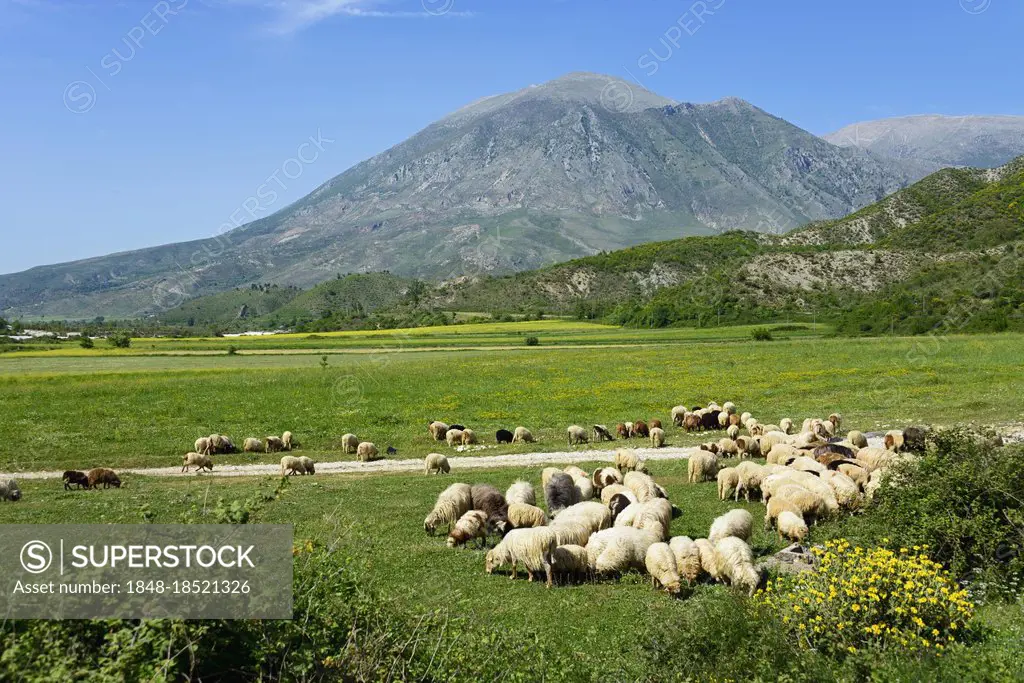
532	341
120	340
86	342
761	334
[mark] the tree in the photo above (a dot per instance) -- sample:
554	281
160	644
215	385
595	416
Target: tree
120	340
86	342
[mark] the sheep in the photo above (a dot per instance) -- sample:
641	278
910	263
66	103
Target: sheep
654	515
732	432
728	447
744	418
471	525
846	490
786	425
826	497
546	474
366	451
687	557
571	532
458	426
710	563
452	503
522	435
616	550
349	443
654	422
203	445
915	439
308	466
781	453
574	471
873	458
709	420
627	460
216	443
728	482
453	437
857	438
577	435
437	430
642	485
660	563
806	464
874	483
605	476
738	523
103	475
291	465
274	444
490	500
836	420
584	488
856	473
601	433
559	492
591	514
521	492
468	437
521	515
286	439
701	467
503	436
74	478
657	437
736	563
792	527
833	451
9	490
612	490
570	560
709	447
630	430
533	547
691	422
748	446
197	460
723	419
435	463
641	430
894	440
678	414
798	499
750	475
774	509
252	445
621	430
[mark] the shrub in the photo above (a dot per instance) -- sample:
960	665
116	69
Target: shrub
871	599
761	334
86	342
232	350
532	341
120	340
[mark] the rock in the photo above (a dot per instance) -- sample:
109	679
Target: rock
791	560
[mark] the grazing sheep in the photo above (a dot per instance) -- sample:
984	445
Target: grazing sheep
642	484
252	445
203	445
74	478
619	549
709	420
286	439
349	443
452	503
856	473
584	488
601	433
435	463
503	436
291	465
559	492
661	565
103	475
873	458
366	451
744	418
781	453
437	430
710	563
491	501
458	426
786	425
701	467
471	525
728	482
687	558
621	430
709	447
620	502
654	515
796	498
468	437
738	523
657	437
846	490
197	460
750	476
630	430
806	464
532	547
692	422
729	407
274	444
522	435
612	490
894	440
570	561
308	466
732	432
792	527
546	474
736	563
837	421
605	476
591	514
857	438
574	471
627	460
9	490
521	515
748	446
641	430
571	532
874	483
823	453
914	439
577	435
723	419
521	492
678	414
453	436
728	447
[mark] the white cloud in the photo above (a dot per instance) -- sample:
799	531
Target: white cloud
291	16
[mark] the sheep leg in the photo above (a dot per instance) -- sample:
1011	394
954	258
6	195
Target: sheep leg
547	571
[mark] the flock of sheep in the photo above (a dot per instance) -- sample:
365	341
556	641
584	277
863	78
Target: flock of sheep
617	518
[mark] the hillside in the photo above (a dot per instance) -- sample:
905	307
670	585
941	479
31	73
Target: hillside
569	168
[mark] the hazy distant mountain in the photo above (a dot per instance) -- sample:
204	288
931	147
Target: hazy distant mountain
927	143
572	167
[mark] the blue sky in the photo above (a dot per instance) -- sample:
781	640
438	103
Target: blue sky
127	124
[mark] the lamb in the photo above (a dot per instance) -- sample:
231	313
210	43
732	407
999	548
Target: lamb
797	499
769	440
74	478
453	437
533	547
291	465
894	440
612	490
792	527
678	414
591	514
452	503
738	523
308	466
577	435
642	485
9	490
435	463
584	488
570	560
286	439
732	432
640	429
601	433
728	482
252	445
605	476
521	492
657	437
197	460
786	425
203	445
522	435
367	451
468	437
559	492
776	506
349	443
701	467
521	515
437	430
103	475
687	558
619	549
471	525
503	436
857	438
661	565
627	460
274	444
736	563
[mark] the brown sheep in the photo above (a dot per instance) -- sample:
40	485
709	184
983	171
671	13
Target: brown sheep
655	424
621	430
691	423
640	429
102	475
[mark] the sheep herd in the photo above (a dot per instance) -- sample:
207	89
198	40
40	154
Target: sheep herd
617	519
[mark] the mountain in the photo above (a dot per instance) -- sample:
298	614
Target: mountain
571	167
923	144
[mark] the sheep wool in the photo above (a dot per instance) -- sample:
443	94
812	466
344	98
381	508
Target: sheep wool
9	490
523	515
657	437
627	460
435	463
619	549
451	504
687	558
728	482
584	488
366	451
202	445
710	563
737	564
595	516
532	547
274	444
252	445
471	525
570	532
661	565
522	435
856	473
792	526
437	430
786	425
701	467
732	432
857	438
577	435
291	465
286	439
349	443
678	413
308	466
610	491
642	484
197	460
468	437
570	560
737	523
453	437
521	492
559	492
547	473
575	472
606	476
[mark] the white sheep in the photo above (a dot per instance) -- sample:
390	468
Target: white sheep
534	548
349	443
654	515
874	483
595	516
366	451
453	437
9	490
657	437
894	440
616	550
642	484
570	560
781	453
286	439
468	437
274	444
522	435
471	525
856	473
660	563
435	463
291	465
678	414
197	460
252	445
584	488
729	407
786	425
451	504
792	526
308	466
728	482
744	418
606	476
710	563
521	492
437	430
806	464
748	446
736	563
738	523
523	515
702	466
847	491
609	492
627	460
570	532
577	435
733	432
857	438
728	448
203	445
687	558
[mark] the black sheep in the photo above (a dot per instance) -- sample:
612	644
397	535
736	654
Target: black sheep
73	478
503	436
